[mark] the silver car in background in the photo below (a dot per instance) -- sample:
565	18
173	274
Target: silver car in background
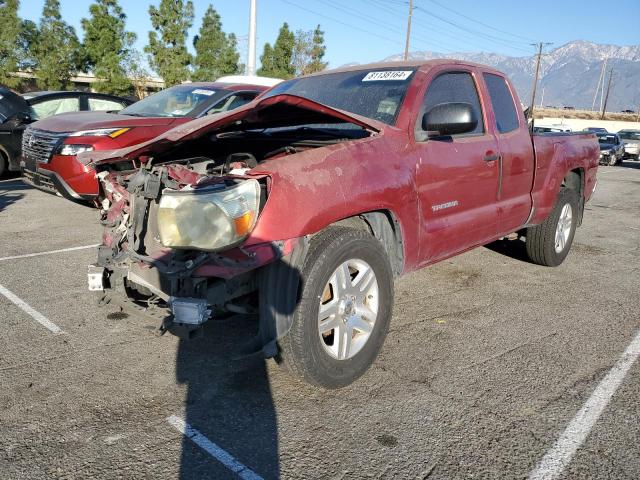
631	141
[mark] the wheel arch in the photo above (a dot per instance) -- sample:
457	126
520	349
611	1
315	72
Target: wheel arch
574	180
383	225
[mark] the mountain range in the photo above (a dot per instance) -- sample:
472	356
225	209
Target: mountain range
569	73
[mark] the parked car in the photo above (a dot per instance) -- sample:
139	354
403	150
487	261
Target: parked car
631	142
628	111
310	200
556	128
50	146
611	148
17	111
596	130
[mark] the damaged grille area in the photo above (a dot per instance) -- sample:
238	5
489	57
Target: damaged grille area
38	145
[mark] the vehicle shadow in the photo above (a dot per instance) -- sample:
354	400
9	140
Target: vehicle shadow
10	189
630	164
228	398
515	249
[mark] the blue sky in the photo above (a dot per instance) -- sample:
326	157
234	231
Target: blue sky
370	30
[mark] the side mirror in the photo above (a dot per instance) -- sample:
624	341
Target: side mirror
22	117
450	119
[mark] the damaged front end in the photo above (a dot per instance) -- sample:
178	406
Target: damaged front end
170	249
179	211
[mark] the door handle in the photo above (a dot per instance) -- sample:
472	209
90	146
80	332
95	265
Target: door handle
491	157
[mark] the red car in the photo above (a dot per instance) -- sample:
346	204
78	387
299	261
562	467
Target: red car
306	204
50	146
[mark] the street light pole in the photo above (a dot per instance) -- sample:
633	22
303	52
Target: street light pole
251	51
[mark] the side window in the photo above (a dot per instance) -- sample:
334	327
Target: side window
232	102
103	104
502	103
55	106
454	87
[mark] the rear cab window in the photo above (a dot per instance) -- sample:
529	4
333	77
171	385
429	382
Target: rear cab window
504	108
453	87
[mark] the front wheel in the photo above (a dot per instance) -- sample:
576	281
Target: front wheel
549	243
344	311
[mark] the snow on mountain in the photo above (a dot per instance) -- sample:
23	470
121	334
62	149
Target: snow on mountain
569	73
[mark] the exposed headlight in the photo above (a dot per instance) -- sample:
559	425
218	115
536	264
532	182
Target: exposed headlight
100	132
209	218
73	149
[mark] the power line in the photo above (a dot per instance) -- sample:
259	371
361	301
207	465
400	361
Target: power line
502	41
341	22
479	22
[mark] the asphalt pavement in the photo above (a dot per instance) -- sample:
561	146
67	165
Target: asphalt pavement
489	359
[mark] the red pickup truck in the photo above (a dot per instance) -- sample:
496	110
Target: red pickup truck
304	205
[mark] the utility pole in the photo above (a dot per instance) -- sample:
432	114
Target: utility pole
535	78
600	81
606	98
406	45
604	77
251	51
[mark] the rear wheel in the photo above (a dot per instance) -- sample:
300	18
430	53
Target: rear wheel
343	314
549	243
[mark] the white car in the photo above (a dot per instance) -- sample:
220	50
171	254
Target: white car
631	141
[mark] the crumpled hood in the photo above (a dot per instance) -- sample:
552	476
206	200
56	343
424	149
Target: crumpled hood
73	122
271	112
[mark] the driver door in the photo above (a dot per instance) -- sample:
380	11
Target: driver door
458	175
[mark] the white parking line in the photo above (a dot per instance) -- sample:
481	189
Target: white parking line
27	255
37	316
212	449
560	455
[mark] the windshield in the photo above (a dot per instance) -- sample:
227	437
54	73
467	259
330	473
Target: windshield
629	135
374	93
178	101
606	138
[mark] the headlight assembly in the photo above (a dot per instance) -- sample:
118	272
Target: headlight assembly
73	149
209	218
100	132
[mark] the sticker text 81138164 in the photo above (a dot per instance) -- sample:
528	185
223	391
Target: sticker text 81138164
387	75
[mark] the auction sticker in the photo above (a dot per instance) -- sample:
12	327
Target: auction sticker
202	91
387	75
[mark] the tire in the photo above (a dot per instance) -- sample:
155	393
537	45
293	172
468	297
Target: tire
319	358
542	241
4	164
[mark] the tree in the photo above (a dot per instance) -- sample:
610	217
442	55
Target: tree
57	53
216	53
9	38
167	44
136	72
318	50
27	44
277	61
308	52
106	46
